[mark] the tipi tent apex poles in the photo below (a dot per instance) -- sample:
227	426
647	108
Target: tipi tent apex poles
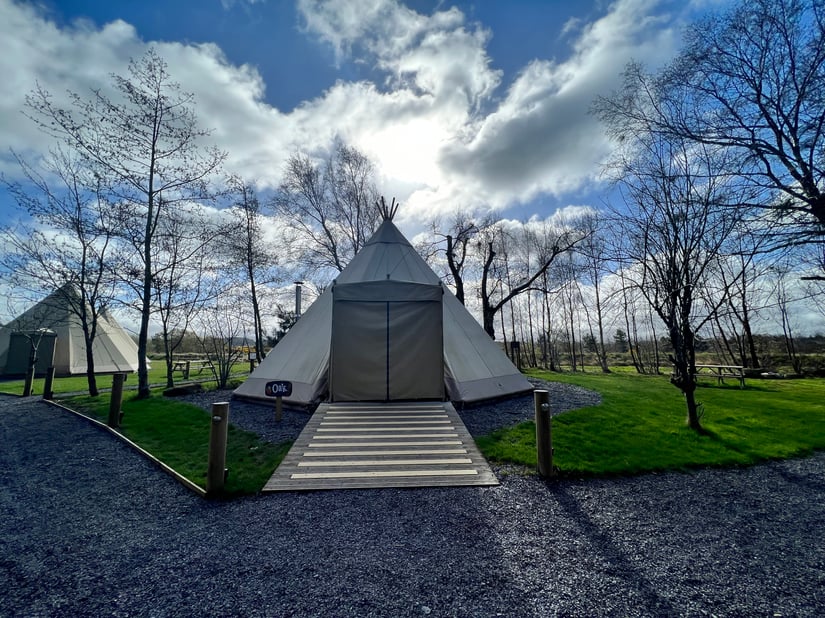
387	212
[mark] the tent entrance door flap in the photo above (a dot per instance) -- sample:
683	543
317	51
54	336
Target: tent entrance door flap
387	342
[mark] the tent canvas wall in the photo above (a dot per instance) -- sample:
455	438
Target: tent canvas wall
22	345
473	366
113	349
387	342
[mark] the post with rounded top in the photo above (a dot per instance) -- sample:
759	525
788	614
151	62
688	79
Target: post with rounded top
544	440
48	388
117	399
216	469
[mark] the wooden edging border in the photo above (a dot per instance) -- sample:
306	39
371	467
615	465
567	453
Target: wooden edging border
170	471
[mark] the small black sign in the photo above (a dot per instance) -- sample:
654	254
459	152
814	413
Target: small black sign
278	388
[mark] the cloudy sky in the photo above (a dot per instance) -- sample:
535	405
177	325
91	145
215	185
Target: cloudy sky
463	104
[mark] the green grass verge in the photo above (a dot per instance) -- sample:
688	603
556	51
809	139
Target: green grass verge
640	426
177	433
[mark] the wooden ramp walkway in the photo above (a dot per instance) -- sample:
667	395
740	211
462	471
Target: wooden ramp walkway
354	445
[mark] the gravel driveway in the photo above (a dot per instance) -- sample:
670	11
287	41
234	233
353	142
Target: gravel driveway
89	528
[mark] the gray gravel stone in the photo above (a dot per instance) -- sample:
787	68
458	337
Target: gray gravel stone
90	528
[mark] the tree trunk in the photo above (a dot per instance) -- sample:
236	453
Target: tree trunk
692	410
256	315
749	342
91	379
488	312
601	351
146	299
455	269
532	352
170	362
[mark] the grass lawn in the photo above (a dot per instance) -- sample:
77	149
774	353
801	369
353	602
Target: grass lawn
640	426
79	384
177	433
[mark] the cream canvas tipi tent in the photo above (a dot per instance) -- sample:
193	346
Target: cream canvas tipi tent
113	349
387	329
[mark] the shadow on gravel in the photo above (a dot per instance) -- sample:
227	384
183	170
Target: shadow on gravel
621	565
808	482
89	528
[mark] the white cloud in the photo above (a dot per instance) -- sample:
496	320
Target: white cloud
435	119
541	138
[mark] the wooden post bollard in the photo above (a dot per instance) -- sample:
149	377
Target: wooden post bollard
48	388
216	470
186	369
544	440
117	399
279	409
27	384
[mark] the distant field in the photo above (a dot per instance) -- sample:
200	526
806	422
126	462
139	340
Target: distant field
79	384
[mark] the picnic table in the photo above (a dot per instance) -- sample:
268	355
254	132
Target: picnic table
185	366
720	372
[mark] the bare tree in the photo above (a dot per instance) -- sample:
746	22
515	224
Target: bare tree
593	250
185	276
566	271
784	298
739	274
676	225
332	204
455	242
144	143
66	247
556	236
249	249
752	80
221	327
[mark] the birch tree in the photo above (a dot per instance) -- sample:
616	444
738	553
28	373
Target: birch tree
143	141
332	205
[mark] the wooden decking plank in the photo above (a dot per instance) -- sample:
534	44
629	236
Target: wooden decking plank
383	436
366	452
346	463
385	474
380	443
393	423
393	443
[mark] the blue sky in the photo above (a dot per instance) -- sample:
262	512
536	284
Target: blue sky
471	105
468	105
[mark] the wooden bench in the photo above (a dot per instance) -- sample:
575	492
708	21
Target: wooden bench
721	372
186	366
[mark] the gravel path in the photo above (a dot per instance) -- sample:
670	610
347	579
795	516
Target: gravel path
89	528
